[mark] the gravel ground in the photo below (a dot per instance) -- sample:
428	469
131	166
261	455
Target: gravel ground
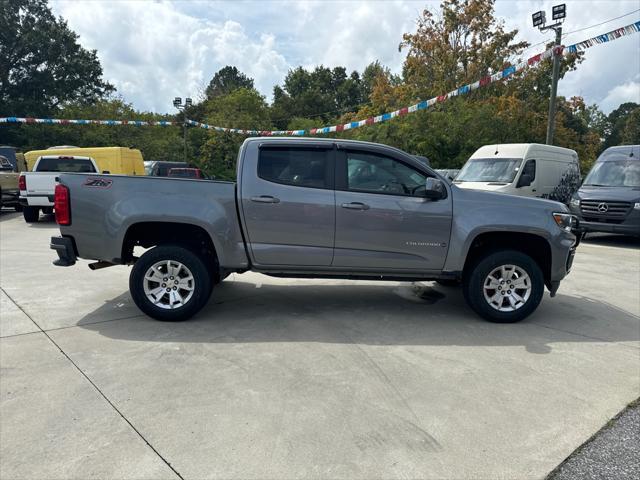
613	452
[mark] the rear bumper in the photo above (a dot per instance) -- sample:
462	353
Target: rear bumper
37	201
65	248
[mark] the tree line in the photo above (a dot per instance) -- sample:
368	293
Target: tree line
45	72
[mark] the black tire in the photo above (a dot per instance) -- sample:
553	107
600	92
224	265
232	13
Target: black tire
201	283
446	282
473	286
31	214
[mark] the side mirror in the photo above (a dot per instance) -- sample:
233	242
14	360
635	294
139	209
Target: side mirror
106	172
525	180
434	189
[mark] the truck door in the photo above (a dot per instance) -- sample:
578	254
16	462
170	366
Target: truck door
382	221
288	203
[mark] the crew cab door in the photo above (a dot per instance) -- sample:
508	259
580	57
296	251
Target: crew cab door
288	203
382	221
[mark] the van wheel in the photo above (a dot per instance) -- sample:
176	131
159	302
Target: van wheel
504	287
31	214
170	283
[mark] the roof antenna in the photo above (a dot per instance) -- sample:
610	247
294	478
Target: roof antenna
496	152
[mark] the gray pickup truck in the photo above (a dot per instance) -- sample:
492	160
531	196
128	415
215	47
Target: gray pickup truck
315	208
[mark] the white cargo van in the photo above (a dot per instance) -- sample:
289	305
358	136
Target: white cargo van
524	169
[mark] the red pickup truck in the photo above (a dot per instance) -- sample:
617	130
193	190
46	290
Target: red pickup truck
185	173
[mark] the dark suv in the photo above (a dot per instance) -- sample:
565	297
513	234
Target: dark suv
609	198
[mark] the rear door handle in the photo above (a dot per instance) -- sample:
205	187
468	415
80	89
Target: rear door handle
265	199
356	206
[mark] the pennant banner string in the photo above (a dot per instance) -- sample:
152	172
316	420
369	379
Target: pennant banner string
502	75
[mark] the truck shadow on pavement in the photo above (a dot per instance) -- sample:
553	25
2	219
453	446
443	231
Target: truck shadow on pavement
606	240
386	314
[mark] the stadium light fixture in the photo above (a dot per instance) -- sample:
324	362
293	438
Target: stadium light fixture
539	18
177	102
559	12
188	102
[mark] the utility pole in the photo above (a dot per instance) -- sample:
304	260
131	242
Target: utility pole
557	55
559	12
177	102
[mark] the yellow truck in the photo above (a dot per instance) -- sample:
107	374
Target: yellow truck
116	160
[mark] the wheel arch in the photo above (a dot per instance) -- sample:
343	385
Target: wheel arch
531	244
154	233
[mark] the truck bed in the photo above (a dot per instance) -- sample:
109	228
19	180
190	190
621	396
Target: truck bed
105	207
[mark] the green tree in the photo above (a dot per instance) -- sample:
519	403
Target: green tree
321	93
630	134
618	124
226	80
461	45
42	66
242	108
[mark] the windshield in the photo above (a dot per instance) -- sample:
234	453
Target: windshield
61	164
617	173
501	170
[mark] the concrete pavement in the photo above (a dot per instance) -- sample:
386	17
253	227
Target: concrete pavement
280	378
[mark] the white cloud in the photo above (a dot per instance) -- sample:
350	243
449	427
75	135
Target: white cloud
627	92
153	51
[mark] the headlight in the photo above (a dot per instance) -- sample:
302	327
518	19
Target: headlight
565	221
575	202
636	206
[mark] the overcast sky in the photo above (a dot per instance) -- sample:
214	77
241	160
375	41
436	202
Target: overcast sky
153	51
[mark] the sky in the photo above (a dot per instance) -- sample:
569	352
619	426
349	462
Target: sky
153	51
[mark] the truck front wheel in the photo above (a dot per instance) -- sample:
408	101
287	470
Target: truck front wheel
31	214
170	283
504	287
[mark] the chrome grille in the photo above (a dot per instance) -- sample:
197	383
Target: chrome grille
604	208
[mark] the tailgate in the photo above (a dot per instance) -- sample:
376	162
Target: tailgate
40	183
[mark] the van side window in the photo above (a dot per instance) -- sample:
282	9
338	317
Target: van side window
530	169
300	167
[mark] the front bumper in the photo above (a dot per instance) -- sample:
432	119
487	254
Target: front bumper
65	248
624	228
627	225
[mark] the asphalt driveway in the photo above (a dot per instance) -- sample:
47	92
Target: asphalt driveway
284	379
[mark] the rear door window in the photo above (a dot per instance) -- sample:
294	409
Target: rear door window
300	167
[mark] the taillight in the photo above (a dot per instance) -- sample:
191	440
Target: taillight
61	205
22	183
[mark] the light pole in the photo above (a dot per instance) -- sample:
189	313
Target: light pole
177	102
558	13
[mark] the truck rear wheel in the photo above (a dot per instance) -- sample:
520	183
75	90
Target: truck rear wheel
170	283
31	214
504	287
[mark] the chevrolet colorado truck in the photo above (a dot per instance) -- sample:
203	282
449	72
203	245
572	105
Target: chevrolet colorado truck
315	208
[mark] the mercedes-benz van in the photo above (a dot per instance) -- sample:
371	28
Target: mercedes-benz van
609	198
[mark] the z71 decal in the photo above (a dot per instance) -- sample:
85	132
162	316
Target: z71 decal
98	183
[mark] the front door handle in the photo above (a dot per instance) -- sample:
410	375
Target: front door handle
265	199
356	206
